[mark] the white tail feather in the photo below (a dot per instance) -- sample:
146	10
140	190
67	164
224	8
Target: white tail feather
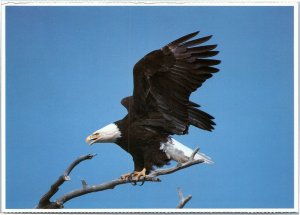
181	153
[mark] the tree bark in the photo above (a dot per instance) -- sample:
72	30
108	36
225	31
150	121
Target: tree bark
46	203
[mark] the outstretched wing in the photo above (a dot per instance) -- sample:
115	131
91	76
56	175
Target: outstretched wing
164	80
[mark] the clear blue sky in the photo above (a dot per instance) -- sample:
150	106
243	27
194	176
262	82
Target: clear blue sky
69	67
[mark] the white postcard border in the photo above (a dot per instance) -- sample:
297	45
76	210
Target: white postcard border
295	4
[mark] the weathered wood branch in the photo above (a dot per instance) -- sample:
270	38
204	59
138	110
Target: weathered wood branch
97	188
182	200
179	166
45	202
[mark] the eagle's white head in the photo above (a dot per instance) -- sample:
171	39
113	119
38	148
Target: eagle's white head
107	134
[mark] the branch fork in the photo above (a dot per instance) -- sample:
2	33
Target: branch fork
182	200
45	202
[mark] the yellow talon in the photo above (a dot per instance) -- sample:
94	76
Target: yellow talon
125	176
140	174
135	175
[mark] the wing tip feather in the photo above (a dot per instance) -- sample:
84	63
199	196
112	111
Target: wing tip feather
183	39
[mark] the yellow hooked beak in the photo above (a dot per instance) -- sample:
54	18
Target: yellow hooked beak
93	138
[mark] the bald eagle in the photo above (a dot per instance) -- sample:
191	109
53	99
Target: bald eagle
160	107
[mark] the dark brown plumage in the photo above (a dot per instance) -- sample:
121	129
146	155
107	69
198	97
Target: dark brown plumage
160	107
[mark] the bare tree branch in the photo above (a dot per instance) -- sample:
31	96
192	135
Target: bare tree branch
182	200
45	202
84	184
96	188
194	153
170	170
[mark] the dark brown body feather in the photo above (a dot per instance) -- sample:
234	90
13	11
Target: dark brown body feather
143	144
163	82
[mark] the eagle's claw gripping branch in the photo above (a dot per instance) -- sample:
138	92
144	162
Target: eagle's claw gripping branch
45	202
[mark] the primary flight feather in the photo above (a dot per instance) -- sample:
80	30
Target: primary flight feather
160	107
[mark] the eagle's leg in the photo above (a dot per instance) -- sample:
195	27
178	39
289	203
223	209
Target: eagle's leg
135	176
126	176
